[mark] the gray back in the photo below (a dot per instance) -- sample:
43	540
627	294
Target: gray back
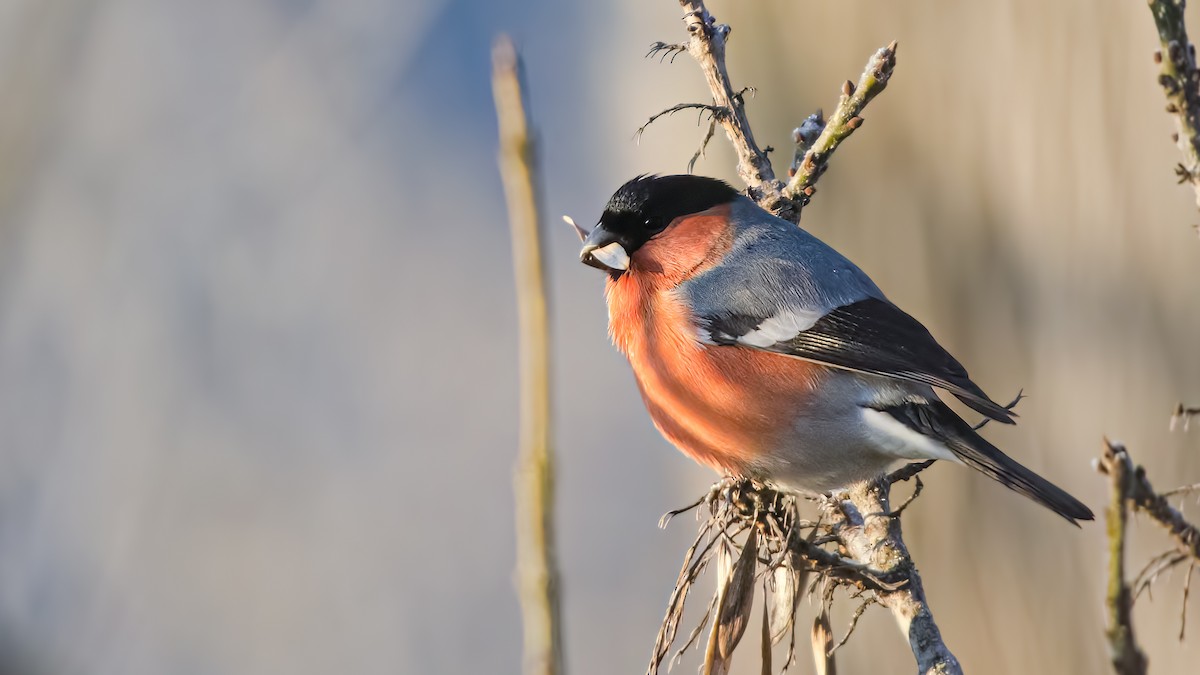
773	265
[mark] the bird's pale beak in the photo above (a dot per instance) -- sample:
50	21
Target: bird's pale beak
602	251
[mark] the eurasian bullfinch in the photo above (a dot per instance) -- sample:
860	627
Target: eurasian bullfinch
763	353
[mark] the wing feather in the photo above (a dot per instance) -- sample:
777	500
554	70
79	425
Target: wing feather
870	336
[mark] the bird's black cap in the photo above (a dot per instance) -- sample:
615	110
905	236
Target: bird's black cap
665	198
644	206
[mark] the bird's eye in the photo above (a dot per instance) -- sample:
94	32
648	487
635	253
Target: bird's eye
654	224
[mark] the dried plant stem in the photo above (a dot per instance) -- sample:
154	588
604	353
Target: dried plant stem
537	571
872	537
1127	658
1180	81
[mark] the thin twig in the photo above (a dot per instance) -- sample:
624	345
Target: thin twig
911	498
1181	490
858	612
1183	415
844	120
533	480
1149	574
1187	589
706	44
1180	81
715	112
663	50
712	129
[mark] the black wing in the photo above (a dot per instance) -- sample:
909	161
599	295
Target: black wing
871	336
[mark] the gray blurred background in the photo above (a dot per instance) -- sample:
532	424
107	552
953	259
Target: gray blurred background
257	359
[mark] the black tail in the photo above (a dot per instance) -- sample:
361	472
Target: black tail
937	420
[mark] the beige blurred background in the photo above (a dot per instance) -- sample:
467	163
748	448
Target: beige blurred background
257	339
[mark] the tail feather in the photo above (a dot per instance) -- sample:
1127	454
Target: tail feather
937	420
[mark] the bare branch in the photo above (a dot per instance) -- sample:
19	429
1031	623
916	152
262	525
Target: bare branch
1126	656
1180	81
715	112
873	537
533	479
706	44
1144	499
844	120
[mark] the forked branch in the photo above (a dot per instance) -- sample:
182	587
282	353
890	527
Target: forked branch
1130	489
706	44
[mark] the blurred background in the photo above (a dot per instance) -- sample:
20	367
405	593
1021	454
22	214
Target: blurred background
257	354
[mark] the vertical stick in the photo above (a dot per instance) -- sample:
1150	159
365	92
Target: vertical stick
533	480
1127	658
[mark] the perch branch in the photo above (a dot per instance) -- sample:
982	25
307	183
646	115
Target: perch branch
871	536
1180	81
857	545
533	480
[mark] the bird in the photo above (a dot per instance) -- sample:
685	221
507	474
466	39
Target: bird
763	353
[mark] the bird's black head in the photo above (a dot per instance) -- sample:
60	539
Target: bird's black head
642	208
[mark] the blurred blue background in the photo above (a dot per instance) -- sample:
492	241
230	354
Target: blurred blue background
257	357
